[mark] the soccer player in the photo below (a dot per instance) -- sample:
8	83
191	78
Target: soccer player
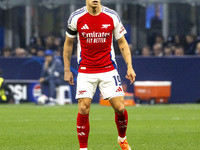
94	25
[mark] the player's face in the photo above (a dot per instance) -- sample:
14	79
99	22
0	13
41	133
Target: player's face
93	3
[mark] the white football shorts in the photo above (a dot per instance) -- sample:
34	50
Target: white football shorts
109	84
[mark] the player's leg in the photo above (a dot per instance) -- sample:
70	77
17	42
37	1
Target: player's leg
118	104
83	126
86	87
121	115
111	88
121	120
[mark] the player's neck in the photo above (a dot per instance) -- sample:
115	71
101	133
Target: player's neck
94	11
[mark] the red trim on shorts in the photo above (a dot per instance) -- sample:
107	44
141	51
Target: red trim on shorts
95	70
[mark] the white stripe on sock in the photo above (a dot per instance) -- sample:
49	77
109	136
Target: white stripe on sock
121	139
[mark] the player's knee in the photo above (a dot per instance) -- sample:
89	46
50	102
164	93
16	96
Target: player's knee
120	109
83	108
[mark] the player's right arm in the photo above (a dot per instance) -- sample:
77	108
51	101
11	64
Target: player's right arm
67	54
71	33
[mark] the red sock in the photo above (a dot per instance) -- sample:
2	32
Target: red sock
83	128
121	121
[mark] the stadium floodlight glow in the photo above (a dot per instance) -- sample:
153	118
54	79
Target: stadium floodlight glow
192	4
8	4
49	4
4	4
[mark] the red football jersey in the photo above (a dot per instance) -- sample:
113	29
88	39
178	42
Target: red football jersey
95	52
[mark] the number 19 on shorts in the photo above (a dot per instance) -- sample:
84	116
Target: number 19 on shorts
117	80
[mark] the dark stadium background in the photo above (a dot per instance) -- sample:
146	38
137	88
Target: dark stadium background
23	22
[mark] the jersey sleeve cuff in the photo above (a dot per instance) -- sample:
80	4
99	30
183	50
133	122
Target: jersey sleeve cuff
123	33
69	35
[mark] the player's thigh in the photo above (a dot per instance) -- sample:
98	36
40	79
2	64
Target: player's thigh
84	105
110	85
86	85
118	104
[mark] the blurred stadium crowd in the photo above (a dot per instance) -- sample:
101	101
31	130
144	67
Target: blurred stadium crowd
173	46
37	47
156	28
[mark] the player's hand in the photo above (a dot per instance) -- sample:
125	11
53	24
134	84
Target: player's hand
69	77
131	75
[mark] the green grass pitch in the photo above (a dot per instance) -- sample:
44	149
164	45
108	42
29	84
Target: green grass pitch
158	127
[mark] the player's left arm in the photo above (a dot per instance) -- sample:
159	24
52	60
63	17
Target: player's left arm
126	53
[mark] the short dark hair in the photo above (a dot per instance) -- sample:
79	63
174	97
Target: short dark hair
160	36
180	47
7	49
192	36
168	46
147	47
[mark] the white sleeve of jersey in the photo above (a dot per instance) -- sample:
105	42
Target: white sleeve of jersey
72	27
119	29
